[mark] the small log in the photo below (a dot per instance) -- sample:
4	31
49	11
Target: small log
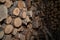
16	11
8	3
21	4
1	34
9	20
17	22
8	29
15	31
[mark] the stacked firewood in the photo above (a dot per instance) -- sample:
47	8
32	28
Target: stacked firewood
29	20
15	20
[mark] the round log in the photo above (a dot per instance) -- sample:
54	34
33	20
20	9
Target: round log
16	11
8	29
17	22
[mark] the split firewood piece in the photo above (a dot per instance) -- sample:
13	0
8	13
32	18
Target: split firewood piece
2	1
21	4
24	22
28	3
16	11
21	36
24	15
7	37
8	3
28	35
1	34
3	12
17	22
8	29
25	9
15	31
3	25
29	26
15	39
29	13
27	19
9	20
21	29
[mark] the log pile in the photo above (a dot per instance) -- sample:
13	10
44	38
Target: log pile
15	24
29	19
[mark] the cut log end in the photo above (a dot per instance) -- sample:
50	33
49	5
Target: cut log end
8	29
16	11
17	22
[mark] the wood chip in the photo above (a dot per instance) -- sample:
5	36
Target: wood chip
17	22
16	11
8	29
9	20
1	34
21	4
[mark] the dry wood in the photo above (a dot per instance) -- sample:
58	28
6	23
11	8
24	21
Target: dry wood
7	37
24	22
28	3
3	12
9	20
21	36
29	13
27	19
8	3
16	11
25	9
24	15
29	26
8	29
17	22
21	29
2	1
1	34
21	4
15	39
15	31
28	35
